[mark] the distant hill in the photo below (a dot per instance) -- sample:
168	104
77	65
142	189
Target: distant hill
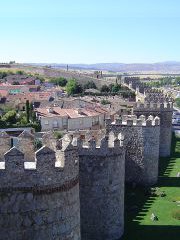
122	67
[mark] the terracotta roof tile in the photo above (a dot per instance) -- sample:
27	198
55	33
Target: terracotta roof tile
71	113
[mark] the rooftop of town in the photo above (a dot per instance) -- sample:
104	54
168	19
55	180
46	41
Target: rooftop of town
70	113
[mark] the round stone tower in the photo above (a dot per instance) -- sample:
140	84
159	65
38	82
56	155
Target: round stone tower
164	111
141	143
102	170
40	199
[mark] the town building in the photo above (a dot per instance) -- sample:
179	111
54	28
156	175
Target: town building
71	119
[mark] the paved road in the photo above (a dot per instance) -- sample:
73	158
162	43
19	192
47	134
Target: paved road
176	127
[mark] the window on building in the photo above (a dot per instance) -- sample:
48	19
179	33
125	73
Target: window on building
95	121
46	122
65	121
55	124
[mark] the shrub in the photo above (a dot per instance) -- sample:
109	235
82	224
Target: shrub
38	144
58	134
36	126
10	117
176	214
90	84
104	102
105	88
59	81
19	72
72	87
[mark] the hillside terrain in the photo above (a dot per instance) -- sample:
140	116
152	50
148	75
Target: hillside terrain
163	67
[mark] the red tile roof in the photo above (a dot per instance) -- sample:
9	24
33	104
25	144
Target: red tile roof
3	93
70	113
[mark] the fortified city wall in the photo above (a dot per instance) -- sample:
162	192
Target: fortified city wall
102	173
73	189
164	111
141	142
39	199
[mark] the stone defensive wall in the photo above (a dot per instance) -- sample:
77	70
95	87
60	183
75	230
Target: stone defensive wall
80	77
145	93
102	173
153	90
166	106
101	180
156	95
39	195
164	112
141	143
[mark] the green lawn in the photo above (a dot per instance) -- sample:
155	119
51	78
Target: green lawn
140	204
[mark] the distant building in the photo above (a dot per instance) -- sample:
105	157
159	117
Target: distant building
70	119
22	79
21	88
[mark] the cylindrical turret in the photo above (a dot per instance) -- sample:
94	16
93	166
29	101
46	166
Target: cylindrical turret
141	143
40	199
164	111
102	172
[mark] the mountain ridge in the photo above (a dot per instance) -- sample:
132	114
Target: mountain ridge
167	66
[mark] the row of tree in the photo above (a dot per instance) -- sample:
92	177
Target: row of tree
164	82
72	88
60	81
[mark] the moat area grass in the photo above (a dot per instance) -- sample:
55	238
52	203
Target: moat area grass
139	205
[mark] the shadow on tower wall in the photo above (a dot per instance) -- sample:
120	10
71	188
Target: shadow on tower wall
138	201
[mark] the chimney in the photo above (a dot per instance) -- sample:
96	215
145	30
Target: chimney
50	110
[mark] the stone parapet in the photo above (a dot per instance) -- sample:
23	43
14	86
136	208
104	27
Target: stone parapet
132	120
101	179
39	199
153	106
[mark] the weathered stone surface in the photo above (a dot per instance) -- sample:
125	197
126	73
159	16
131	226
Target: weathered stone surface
165	113
42	203
141	144
102	173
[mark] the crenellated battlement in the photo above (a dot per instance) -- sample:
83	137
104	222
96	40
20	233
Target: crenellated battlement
48	167
166	106
132	120
104	147
153	90
39	190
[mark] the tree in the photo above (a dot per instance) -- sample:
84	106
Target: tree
19	72
37	126
42	80
3	74
59	81
72	87
38	144
31	112
177	81
105	88
116	88
15	83
2	124
10	117
104	102
57	134
27	111
90	84
177	102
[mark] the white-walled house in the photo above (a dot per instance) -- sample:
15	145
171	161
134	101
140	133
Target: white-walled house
70	119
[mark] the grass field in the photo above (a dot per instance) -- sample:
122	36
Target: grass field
140	204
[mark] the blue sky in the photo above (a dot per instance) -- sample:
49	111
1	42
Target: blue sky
82	31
